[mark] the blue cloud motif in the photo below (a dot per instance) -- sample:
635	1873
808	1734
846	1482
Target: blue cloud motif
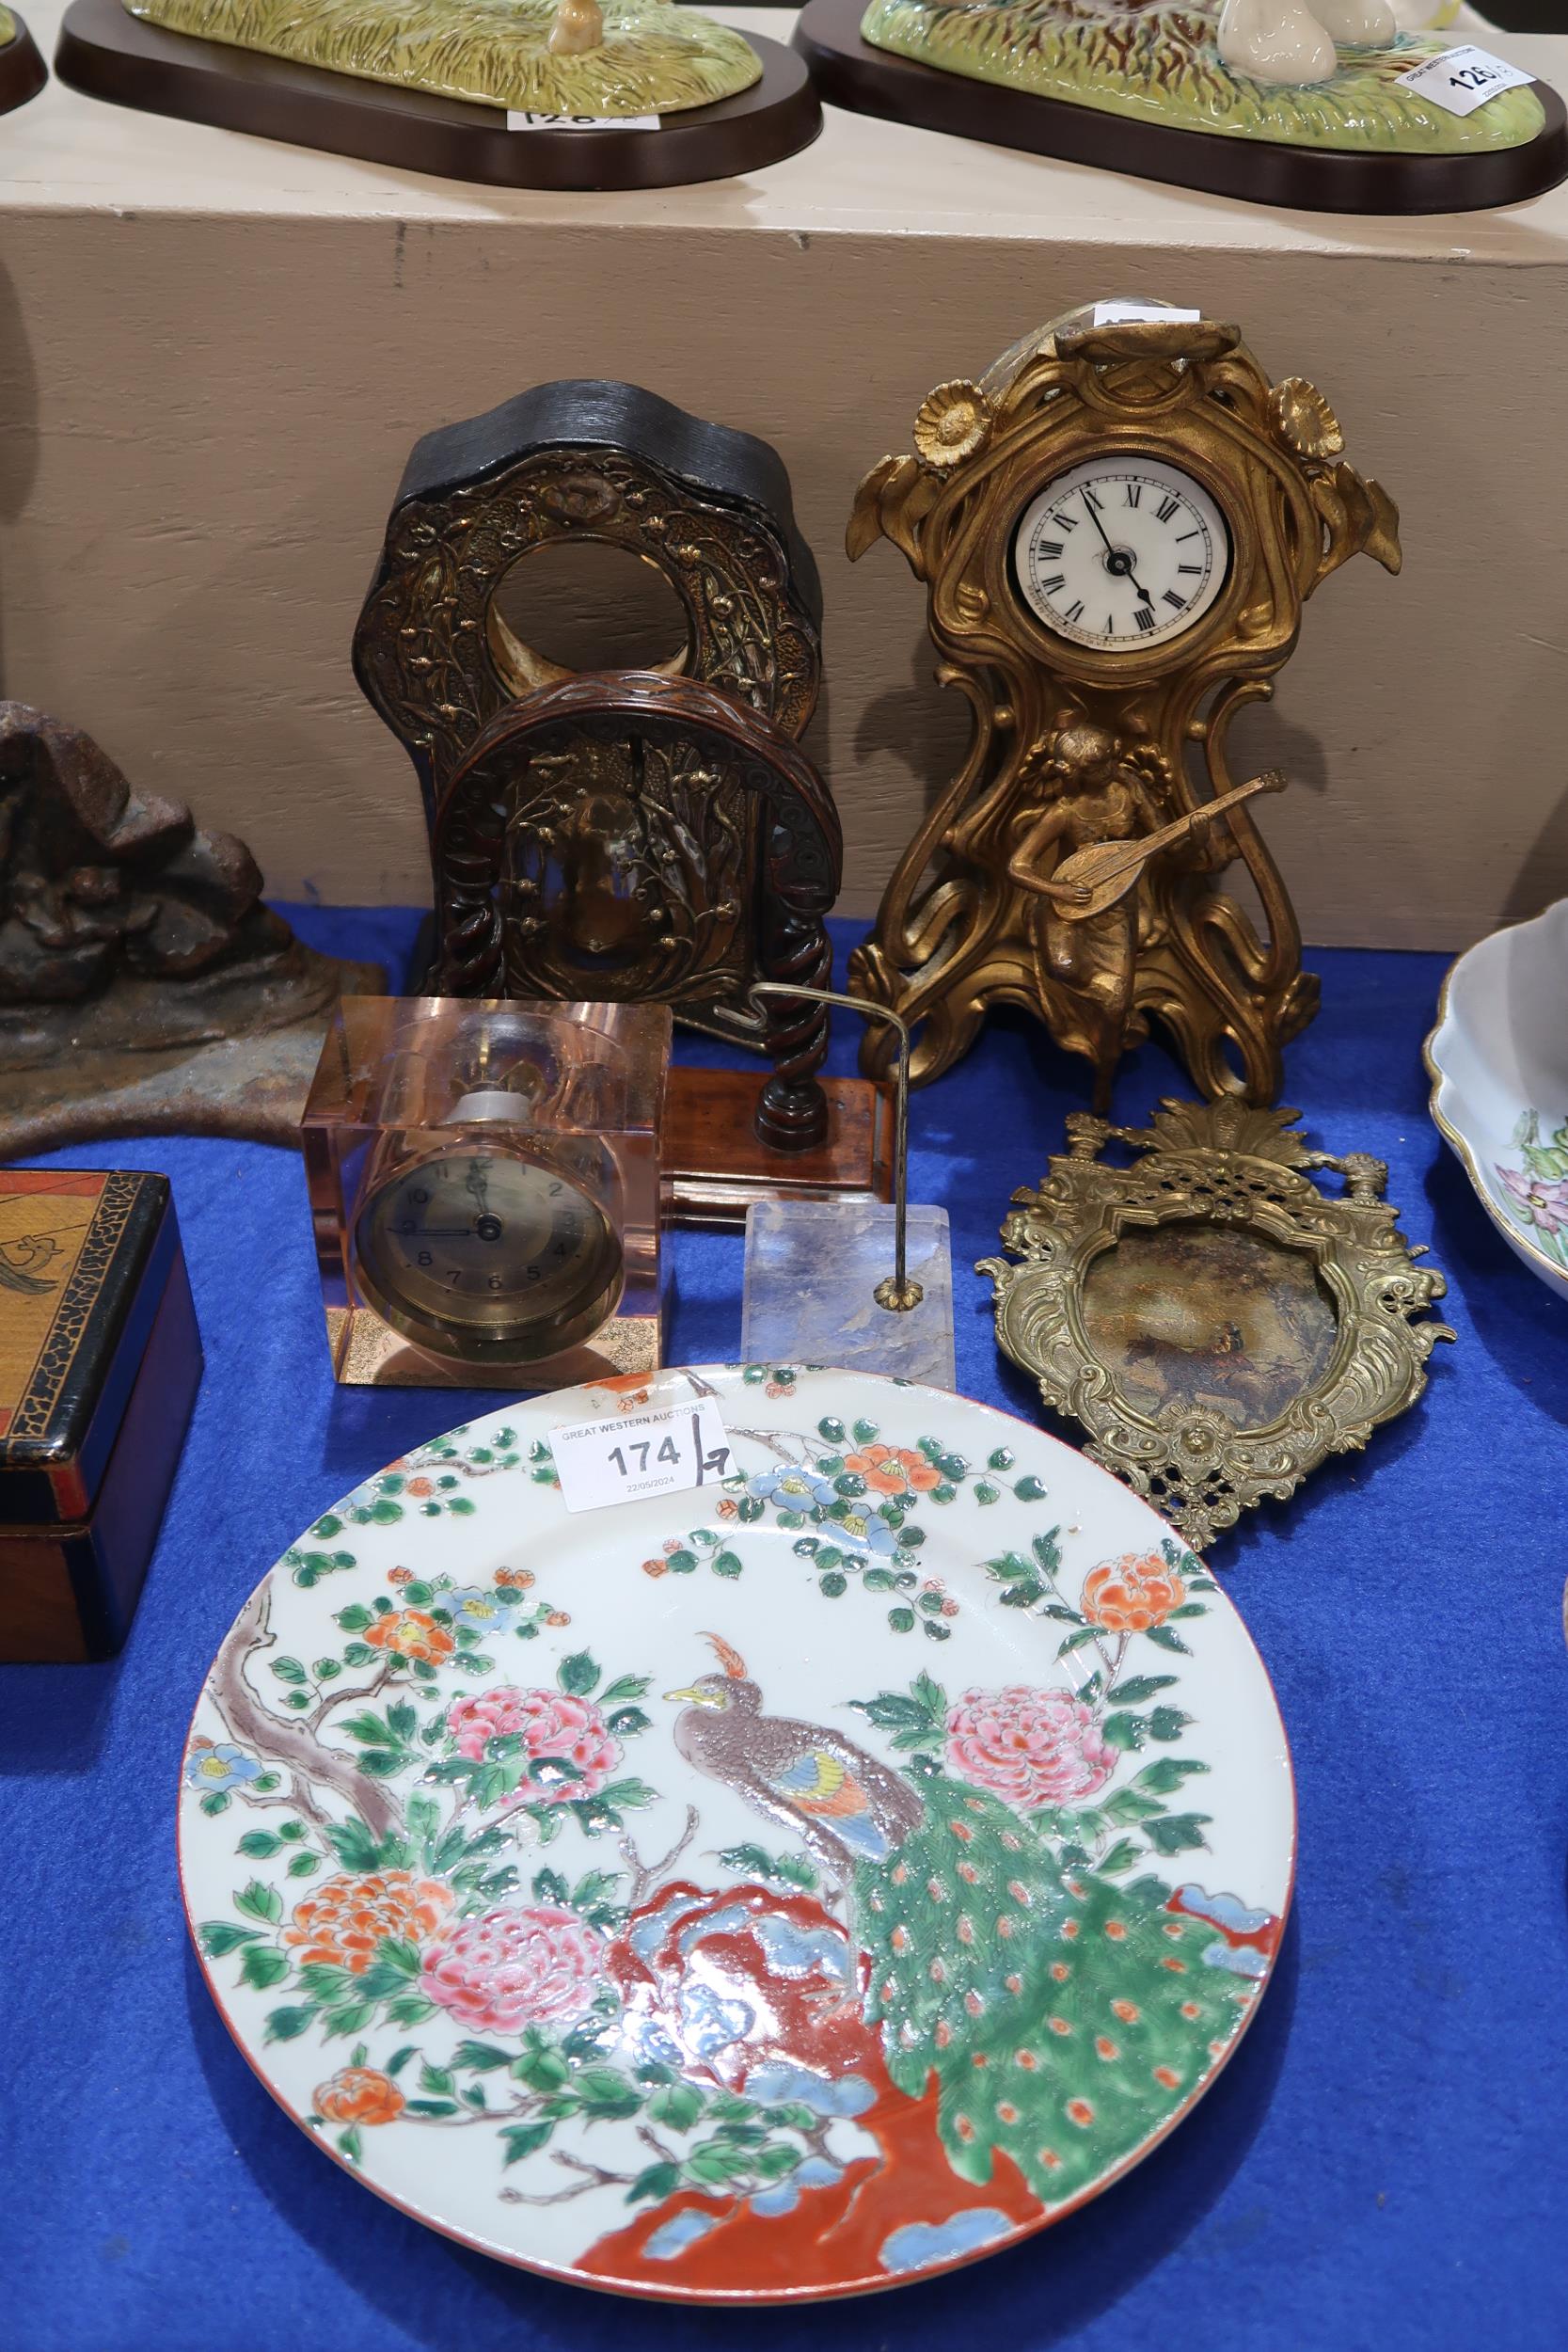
795	1952
774	2203
816	2172
1241	1960
792	1950
1222	1911
779	2084
682	2230
712	2023
920	2243
656	2044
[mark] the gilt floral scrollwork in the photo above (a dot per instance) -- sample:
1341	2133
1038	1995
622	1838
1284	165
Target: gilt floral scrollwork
1257	1323
963	923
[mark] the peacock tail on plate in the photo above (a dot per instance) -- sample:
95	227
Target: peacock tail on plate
979	1937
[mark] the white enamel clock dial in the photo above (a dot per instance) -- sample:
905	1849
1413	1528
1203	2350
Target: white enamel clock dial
1121	551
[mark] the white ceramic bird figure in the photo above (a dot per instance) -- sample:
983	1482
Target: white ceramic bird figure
1288	41
579	26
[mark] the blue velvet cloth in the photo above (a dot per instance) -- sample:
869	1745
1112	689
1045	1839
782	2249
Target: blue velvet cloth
1385	2164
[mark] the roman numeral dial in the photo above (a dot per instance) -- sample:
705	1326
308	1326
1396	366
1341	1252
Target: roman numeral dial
1121	551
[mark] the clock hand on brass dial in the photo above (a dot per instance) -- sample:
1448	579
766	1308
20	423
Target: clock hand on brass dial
1118	562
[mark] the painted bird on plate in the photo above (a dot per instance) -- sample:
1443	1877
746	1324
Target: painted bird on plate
843	1806
1061	2013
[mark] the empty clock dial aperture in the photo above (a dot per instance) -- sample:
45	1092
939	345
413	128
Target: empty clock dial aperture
1120	552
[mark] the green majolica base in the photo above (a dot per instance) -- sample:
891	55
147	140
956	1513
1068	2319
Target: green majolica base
1160	66
656	58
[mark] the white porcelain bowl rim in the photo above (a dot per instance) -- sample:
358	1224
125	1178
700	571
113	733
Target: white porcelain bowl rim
1451	1111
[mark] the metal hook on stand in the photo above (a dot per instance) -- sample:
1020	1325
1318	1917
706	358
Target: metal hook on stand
898	1292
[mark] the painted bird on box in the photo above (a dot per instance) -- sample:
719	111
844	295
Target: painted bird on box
975	1941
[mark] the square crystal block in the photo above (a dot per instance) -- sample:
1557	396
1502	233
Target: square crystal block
812	1271
485	1181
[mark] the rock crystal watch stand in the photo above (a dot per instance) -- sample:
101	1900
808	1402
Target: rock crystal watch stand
514	93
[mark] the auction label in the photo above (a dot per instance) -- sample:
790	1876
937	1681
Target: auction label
630	1456
524	122
1140	313
1462	79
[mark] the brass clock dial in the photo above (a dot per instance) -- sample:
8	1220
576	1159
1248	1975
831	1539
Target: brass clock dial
1121	553
485	1255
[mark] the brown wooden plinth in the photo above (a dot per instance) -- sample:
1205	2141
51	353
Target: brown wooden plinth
109	53
850	73
718	1166
22	73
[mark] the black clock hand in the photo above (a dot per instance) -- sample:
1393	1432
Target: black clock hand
1119	563
1094	517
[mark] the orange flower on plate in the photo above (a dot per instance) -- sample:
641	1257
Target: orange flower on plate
357	2094
893	1470
1129	1595
342	1921
412	1633
422	1486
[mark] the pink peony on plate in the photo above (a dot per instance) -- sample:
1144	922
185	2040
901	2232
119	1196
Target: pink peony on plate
782	1888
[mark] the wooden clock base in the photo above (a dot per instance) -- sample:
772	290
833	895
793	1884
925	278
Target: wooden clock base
718	1168
108	54
849	72
22	73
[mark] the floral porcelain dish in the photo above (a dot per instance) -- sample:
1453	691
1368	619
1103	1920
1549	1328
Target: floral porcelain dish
1499	1059
782	1890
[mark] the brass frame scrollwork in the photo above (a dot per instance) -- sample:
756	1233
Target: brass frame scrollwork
1227	1165
1075	744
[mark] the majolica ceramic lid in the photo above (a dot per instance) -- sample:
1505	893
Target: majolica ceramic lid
782	1889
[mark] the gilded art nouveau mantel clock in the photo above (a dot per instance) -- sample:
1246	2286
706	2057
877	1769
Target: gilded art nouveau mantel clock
1117	527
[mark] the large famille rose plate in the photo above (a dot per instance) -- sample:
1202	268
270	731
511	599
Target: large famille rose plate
785	1888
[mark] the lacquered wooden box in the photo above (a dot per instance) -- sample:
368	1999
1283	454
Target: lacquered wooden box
99	1361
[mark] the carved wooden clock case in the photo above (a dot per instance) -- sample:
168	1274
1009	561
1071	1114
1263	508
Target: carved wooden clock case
654	836
1119	527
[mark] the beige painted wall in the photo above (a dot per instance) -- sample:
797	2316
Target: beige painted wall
215	353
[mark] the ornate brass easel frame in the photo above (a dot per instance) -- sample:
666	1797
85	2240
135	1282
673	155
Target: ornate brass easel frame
1217	1168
